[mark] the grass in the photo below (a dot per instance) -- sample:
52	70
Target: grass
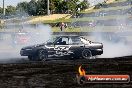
69	29
58	20
107	9
89	18
93	18
117	17
53	18
91	29
118	1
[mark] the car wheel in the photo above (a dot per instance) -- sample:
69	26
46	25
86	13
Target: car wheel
30	57
42	55
77	54
86	54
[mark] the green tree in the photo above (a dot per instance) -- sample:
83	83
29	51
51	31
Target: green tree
32	7
41	7
52	6
10	10
72	6
22	7
83	5
1	10
60	6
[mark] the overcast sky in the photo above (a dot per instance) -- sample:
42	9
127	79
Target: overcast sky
11	2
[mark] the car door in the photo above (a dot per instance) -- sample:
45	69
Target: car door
50	46
61	46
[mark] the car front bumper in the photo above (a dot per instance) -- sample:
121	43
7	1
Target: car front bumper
26	52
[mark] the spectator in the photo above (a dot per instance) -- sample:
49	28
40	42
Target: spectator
62	26
65	25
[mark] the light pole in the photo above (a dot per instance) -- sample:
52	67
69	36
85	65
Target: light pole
48	12
4	7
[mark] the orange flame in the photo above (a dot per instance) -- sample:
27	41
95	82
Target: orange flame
81	71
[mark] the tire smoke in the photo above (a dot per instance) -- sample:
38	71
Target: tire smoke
118	42
14	37
115	34
114	47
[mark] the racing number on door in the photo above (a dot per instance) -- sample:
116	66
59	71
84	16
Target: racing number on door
61	50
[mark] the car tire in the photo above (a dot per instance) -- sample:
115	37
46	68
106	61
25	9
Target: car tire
87	54
30	58
77	54
42	55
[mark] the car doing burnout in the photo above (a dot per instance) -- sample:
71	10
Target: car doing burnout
62	46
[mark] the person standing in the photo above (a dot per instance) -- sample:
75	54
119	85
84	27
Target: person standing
62	26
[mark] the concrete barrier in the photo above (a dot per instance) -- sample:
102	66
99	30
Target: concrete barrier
91	33
78	33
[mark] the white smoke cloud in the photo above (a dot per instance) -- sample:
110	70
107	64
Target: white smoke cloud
114	49
10	49
116	46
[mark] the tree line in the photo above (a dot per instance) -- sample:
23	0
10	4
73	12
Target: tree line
39	7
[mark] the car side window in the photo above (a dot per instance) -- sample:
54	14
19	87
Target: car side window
58	42
65	41
62	41
76	40
70	41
